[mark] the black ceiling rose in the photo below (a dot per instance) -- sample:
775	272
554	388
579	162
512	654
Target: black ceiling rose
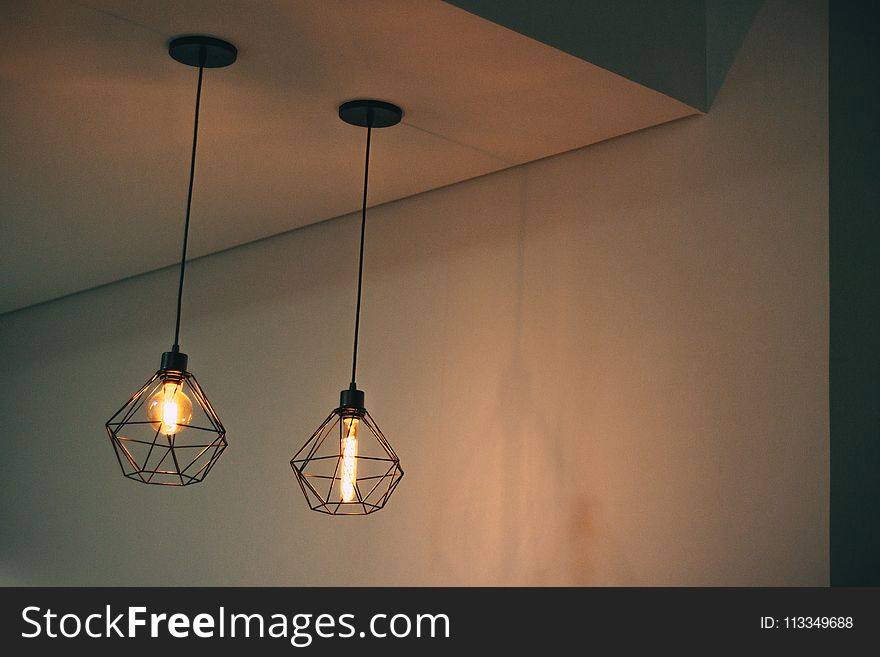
366	113
191	50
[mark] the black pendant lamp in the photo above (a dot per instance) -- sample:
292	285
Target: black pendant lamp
168	433
348	467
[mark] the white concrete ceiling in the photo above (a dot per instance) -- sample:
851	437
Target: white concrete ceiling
96	123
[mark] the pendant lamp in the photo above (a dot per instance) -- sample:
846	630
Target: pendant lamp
168	433
348	467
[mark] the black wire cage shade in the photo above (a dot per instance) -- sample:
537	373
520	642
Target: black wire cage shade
168	433
348	467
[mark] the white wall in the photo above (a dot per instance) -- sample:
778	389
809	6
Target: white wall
607	367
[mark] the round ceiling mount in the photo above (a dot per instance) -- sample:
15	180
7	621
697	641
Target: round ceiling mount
197	50
367	113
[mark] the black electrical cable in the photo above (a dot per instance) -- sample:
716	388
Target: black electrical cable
192	172
357	318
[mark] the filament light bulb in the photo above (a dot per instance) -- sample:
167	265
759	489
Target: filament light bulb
169	410
349	458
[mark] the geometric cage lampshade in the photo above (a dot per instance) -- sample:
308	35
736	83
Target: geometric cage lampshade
168	433
347	467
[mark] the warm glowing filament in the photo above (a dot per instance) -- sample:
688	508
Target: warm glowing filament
169	415
349	458
169	410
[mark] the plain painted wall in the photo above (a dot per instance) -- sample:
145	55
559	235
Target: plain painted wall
607	367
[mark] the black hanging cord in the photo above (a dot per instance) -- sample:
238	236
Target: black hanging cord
192	172
357	317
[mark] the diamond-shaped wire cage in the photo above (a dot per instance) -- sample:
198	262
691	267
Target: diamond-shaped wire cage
177	453
339	476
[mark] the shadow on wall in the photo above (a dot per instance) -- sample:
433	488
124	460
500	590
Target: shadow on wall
524	503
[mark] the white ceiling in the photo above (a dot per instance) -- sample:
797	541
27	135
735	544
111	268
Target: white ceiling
97	121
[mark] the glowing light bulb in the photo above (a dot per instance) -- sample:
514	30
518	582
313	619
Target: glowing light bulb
349	458
169	410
